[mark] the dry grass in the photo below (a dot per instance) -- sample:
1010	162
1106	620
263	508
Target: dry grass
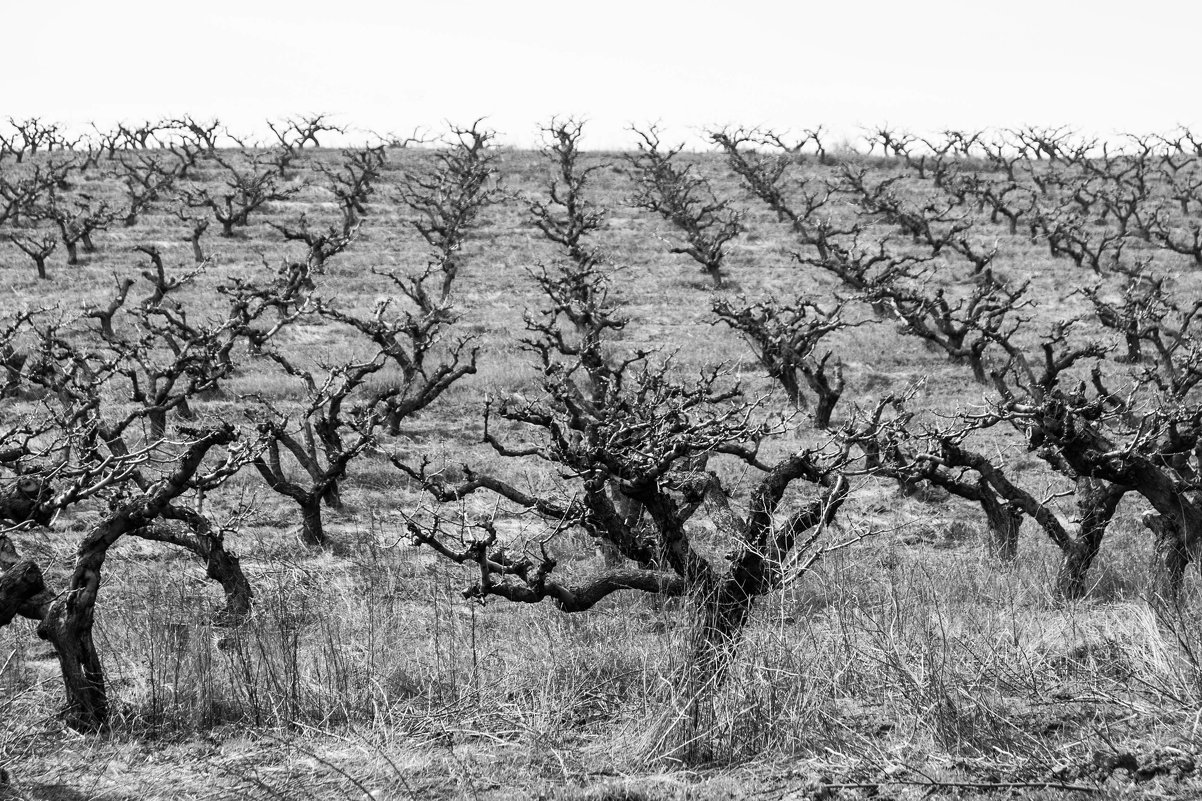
899	664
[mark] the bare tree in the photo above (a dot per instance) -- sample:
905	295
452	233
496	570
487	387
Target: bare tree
91	452
684	199
353	182
28	137
1139	314
105	314
1184	239
577	287
784	337
321	244
802	202
408	329
569	218
938	227
197	226
289	294
154	358
147	176
1067	235
246	190
449	199
1004	199
301	131
331	429
78	222
67	621
940	456
810	139
157	277
633	425
204	134
1052	144
24	193
37	248
1139	441
293	134
139	136
964	328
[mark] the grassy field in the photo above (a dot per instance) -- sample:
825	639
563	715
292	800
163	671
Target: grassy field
905	665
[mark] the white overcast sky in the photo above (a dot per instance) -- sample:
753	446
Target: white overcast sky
1101	67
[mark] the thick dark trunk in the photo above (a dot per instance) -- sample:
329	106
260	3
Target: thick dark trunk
1097	502
392	421
332	497
72	253
630	511
611	557
158	424
18	585
1177	523
827	387
1171	558
68	627
224	568
1001	541
34	606
312	534
1134	353
788	381
979	373
825	408
1072	580
202	539
41	265
722	613
68	621
198	254
23	500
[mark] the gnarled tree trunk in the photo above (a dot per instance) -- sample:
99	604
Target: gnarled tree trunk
33	606
18	585
1170	560
1004	521
828	388
722	613
312	533
68	621
1097	502
23	500
68	627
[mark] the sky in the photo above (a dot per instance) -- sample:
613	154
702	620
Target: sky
1102	68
